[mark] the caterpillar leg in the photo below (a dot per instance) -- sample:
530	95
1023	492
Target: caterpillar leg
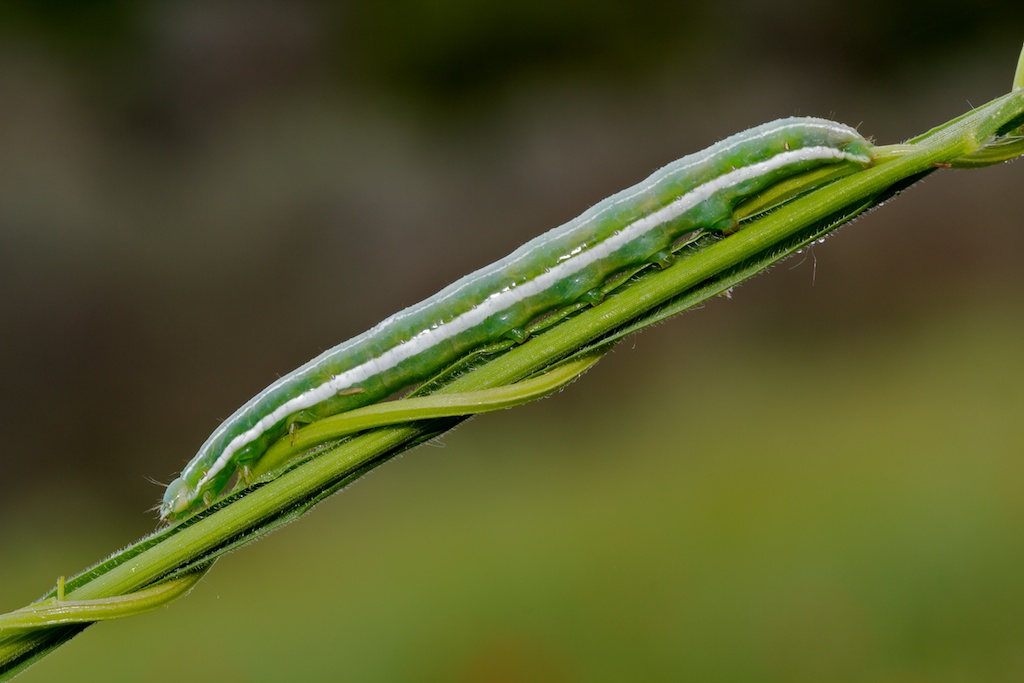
663	258
518	334
592	297
304	417
726	226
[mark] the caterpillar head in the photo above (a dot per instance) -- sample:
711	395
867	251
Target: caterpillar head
177	499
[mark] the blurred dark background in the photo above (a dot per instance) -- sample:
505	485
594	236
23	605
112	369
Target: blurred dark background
815	480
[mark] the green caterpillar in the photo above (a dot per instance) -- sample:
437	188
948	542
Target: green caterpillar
567	264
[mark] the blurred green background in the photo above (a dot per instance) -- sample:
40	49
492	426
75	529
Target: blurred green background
818	479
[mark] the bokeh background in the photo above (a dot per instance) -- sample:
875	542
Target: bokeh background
818	479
